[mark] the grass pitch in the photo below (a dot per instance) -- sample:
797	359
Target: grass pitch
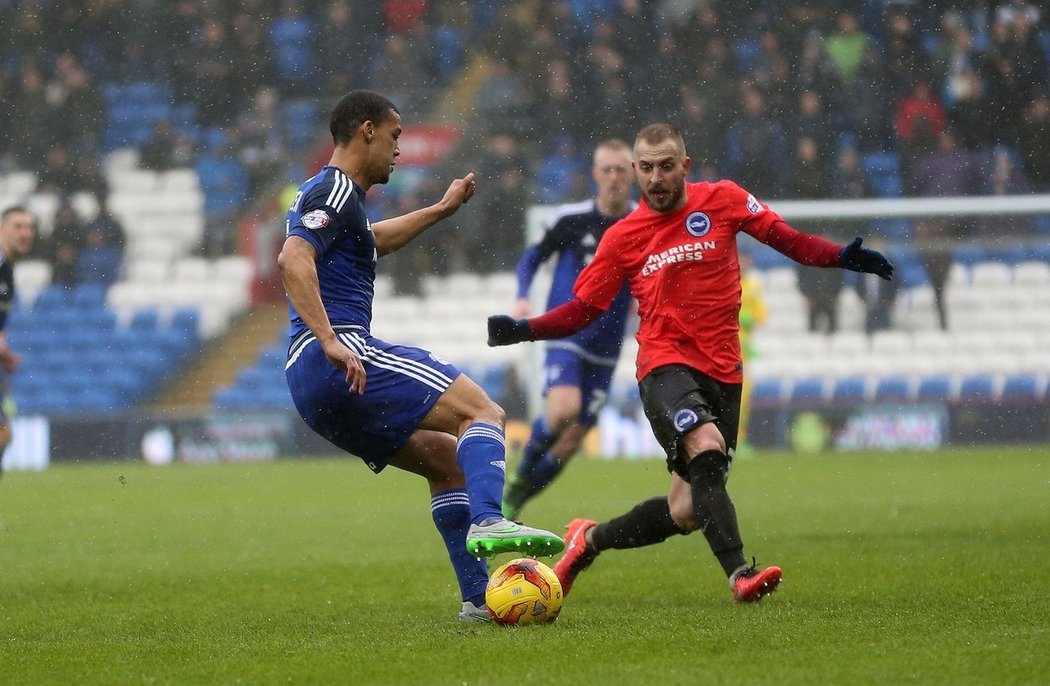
903	568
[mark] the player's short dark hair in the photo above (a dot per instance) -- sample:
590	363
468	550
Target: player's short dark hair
355	108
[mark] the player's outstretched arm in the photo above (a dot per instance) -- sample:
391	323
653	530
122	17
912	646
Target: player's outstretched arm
564	320
396	232
815	251
860	259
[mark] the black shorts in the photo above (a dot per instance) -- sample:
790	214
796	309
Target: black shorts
677	399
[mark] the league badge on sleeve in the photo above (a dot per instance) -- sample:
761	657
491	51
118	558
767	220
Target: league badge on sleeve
753	205
316	219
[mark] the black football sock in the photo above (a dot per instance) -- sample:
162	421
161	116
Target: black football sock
714	508
647	523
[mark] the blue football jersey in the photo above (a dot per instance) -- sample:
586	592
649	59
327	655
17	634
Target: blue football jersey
573	233
329	212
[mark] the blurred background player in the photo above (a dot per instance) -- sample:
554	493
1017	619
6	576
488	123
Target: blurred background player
578	370
753	315
678	253
391	404
17	230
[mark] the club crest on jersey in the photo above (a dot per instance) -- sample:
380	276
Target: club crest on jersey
685	420
752	205
698	224
316	219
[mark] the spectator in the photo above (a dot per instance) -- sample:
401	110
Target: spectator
561	175
1034	132
34	117
292	40
58	174
1007	177
262	150
214	79
879	299
350	33
62	247
846	45
920	112
904	55
502	98
400	70
848	179
820	288
1016	66
225	185
867	106
756	145
501	213
948	170
77	103
158	152
252	58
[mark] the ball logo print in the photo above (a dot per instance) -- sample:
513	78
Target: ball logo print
698	224
524	591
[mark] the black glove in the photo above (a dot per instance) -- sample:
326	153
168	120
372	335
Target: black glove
504	330
858	259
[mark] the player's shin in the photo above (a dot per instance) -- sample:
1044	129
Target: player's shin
451	513
481	453
646	523
714	508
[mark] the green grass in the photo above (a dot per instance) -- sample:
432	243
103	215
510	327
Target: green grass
926	568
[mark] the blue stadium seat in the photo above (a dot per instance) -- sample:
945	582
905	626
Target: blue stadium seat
977	388
850	389
808	390
1022	387
52	297
448	44
893	389
883	170
767	391
969	255
934	389
146	319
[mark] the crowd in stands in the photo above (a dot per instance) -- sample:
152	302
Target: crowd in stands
786	97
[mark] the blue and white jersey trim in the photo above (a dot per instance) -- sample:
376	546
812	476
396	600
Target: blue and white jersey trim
342	188
385	360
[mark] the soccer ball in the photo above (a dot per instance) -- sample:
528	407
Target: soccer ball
523	591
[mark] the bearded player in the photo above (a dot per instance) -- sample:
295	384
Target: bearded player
677	253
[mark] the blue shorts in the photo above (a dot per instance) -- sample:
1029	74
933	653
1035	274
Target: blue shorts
565	367
402	385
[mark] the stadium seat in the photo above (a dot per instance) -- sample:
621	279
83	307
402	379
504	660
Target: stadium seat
767	392
893	389
935	389
808	390
1031	274
1023	387
852	389
977	388
969	255
883	171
